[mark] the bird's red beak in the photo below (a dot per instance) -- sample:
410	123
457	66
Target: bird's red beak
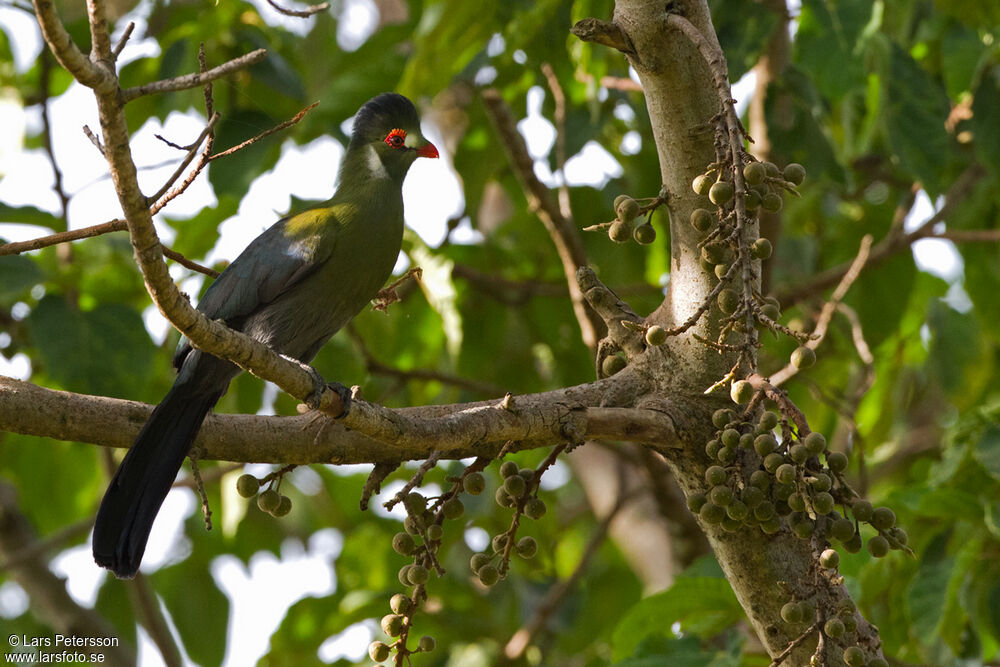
427	150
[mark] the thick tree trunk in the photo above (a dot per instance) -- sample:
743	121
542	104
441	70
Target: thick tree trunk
766	571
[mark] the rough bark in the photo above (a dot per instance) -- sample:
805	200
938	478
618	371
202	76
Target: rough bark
681	100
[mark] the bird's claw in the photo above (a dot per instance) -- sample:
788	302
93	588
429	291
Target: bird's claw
344	393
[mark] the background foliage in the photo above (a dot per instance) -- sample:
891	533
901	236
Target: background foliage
875	98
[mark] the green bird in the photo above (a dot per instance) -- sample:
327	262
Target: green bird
293	287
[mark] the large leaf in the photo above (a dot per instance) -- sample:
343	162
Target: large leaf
104	351
702	605
916	110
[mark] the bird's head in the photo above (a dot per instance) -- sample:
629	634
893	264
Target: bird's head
386	136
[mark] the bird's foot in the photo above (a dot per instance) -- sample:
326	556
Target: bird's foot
315	397
344	394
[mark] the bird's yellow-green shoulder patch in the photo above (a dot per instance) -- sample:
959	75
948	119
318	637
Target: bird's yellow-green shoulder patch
315	220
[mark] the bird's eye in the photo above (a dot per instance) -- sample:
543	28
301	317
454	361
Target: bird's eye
396	138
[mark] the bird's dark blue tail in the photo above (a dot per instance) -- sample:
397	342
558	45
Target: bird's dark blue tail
143	479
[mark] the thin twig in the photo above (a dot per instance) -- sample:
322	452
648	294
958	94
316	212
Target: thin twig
193	80
523	638
192	151
826	314
199	486
893	243
94	139
62	237
280	126
414	481
561	229
122	40
778	659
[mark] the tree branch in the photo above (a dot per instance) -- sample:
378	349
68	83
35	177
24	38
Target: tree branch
893	242
67	53
458	431
195	79
826	314
564	234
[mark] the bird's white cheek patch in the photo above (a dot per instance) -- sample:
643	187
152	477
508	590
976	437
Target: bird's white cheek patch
375	166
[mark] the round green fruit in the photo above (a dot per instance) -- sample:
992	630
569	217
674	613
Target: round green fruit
837	461
803	357
823	502
761	249
400	604
771	202
696	501
785	473
701	184
862	510
754	173
627	209
883	518
842	530
426	644
414	503
712	513
741	392
720	495
268	500
878	546
768	421
612	364
723	417
247	486
834	628
791	613
526	547
644	234
721	193
478	561
378	651
829	558
488	575
535	508
392	624
715	475
453	508
474	483
794	173
854	656
815	442
619	231
283	508
702	219
656	335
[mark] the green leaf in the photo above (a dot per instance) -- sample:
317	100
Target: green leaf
104	351
703	605
198	609
926	594
29	215
18	274
985	112
743	32
232	175
987	451
826	42
916	110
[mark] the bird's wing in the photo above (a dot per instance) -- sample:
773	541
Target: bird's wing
279	258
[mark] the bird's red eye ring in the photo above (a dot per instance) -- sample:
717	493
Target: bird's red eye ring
396	138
